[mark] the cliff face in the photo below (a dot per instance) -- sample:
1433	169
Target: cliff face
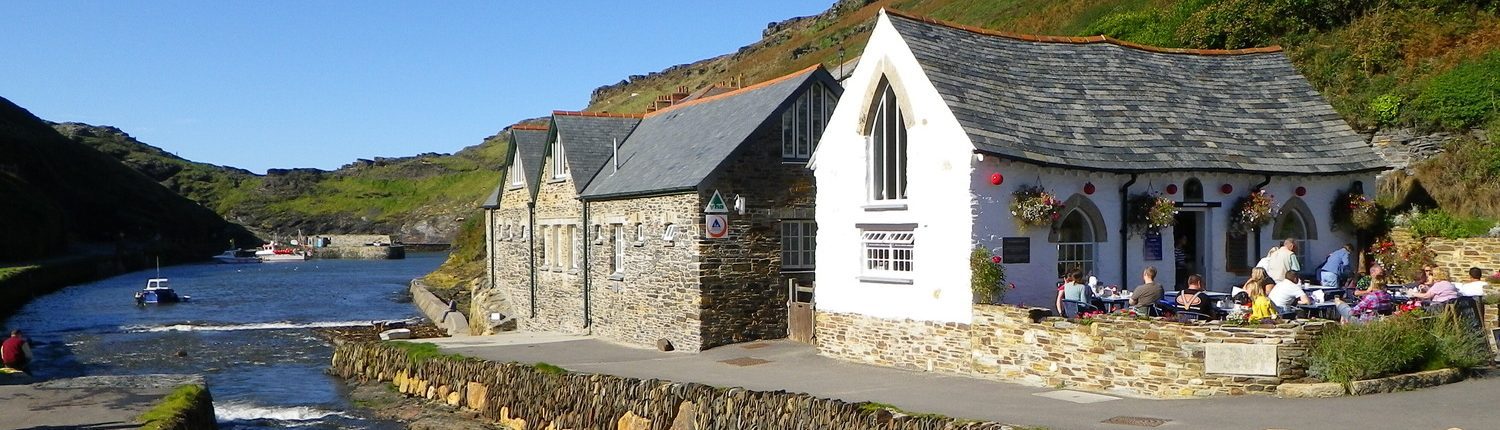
418	199
57	192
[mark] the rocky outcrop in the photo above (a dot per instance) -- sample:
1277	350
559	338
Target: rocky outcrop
1404	147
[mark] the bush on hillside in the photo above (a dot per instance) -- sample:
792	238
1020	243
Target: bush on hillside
1440	223
1466	96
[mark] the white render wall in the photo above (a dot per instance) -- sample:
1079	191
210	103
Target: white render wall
938	194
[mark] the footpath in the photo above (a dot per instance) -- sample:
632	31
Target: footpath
90	402
795	367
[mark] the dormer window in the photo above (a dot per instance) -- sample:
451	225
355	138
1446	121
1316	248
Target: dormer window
887	147
516	178
802	124
559	162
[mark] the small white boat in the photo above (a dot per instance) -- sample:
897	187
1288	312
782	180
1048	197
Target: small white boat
236	256
270	253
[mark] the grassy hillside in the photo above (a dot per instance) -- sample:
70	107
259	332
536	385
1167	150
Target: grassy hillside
58	193
419	198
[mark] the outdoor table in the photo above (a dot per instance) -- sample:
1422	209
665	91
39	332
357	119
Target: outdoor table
1115	303
1325	310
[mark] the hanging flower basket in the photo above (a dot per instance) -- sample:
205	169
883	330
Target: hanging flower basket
1251	212
1151	212
1033	206
1355	211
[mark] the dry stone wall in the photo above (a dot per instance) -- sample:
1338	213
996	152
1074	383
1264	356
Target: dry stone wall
657	293
524	398
1147	357
1458	255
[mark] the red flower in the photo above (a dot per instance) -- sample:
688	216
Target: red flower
1054	216
995	259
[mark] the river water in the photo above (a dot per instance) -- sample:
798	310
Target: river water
247	330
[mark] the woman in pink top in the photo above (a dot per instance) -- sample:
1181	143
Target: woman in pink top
1441	291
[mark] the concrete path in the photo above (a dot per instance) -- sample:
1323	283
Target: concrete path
785	365
95	402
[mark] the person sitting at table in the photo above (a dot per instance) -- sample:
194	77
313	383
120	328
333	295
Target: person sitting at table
1147	293
1242	295
1287	294
1421	280
1363	284
1072	290
1375	301
1261	308
1441	291
1476	284
1193	300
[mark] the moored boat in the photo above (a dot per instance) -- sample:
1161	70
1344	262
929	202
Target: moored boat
271	253
158	291
237	256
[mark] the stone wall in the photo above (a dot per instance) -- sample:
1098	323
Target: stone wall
559	285
1145	357
744	289
523	398
908	344
1458	255
436	310
396	252
657	294
513	241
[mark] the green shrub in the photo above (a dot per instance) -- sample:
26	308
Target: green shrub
1386	108
1462	97
1383	347
420	352
1439	223
987	276
1456	346
549	369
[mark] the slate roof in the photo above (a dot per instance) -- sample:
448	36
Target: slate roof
676	148
493	201
531	141
1101	104
588	140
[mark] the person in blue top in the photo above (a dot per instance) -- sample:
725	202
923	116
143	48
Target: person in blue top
1072	289
1336	267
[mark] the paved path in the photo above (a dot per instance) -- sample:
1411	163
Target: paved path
796	367
94	403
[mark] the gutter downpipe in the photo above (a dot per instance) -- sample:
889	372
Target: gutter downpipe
587	270
1124	229
530	252
1255	188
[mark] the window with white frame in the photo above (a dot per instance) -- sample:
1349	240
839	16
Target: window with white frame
516	177
617	258
887	147
565	246
573	241
598	234
802	124
798	244
1290	224
559	162
888	252
1075	243
549	246
640	234
669	233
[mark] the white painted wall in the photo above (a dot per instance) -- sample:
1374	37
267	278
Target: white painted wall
937	190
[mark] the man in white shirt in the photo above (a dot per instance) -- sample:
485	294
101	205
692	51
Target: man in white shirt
1476	284
1267	259
1283	260
1287	294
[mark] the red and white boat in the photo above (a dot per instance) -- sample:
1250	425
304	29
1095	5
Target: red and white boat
272	253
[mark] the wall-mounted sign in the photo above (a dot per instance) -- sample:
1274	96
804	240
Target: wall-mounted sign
1153	246
1015	250
716	226
716	205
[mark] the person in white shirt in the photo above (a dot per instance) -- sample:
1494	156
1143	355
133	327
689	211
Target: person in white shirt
1476	284
1287	294
1284	260
1267	259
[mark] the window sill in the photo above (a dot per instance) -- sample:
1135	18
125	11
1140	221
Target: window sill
785	160
883	280
797	270
557	180
875	207
667	244
572	272
638	244
617	276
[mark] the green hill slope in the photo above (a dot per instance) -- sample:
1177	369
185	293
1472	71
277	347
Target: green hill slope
58	193
420	199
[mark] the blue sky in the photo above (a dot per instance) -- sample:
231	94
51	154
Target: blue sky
318	84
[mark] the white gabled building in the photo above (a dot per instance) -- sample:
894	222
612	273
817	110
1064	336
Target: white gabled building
934	111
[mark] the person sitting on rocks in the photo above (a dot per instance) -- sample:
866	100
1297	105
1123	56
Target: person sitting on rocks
15	352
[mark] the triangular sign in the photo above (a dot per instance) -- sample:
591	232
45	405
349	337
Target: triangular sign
716	204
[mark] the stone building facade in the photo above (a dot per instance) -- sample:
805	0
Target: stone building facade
510	246
621	248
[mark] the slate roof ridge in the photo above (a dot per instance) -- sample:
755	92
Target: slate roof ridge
1082	40
742	90
529	127
598	114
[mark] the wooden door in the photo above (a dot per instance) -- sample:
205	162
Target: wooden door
799	312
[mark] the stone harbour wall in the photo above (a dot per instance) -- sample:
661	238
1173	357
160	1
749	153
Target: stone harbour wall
657	293
1144	357
907	344
524	397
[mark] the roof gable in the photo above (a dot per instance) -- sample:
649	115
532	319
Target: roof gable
676	148
531	145
588	140
1100	104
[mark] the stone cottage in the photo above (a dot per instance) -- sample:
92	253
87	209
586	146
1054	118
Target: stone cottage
510	217
1093	121
681	226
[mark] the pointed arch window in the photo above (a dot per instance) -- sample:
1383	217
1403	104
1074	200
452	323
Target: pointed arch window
887	146
802	124
1076	241
1295	223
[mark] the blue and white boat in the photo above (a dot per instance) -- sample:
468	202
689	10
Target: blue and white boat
158	291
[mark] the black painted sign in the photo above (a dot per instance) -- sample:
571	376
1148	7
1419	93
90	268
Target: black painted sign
1153	246
1015	250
